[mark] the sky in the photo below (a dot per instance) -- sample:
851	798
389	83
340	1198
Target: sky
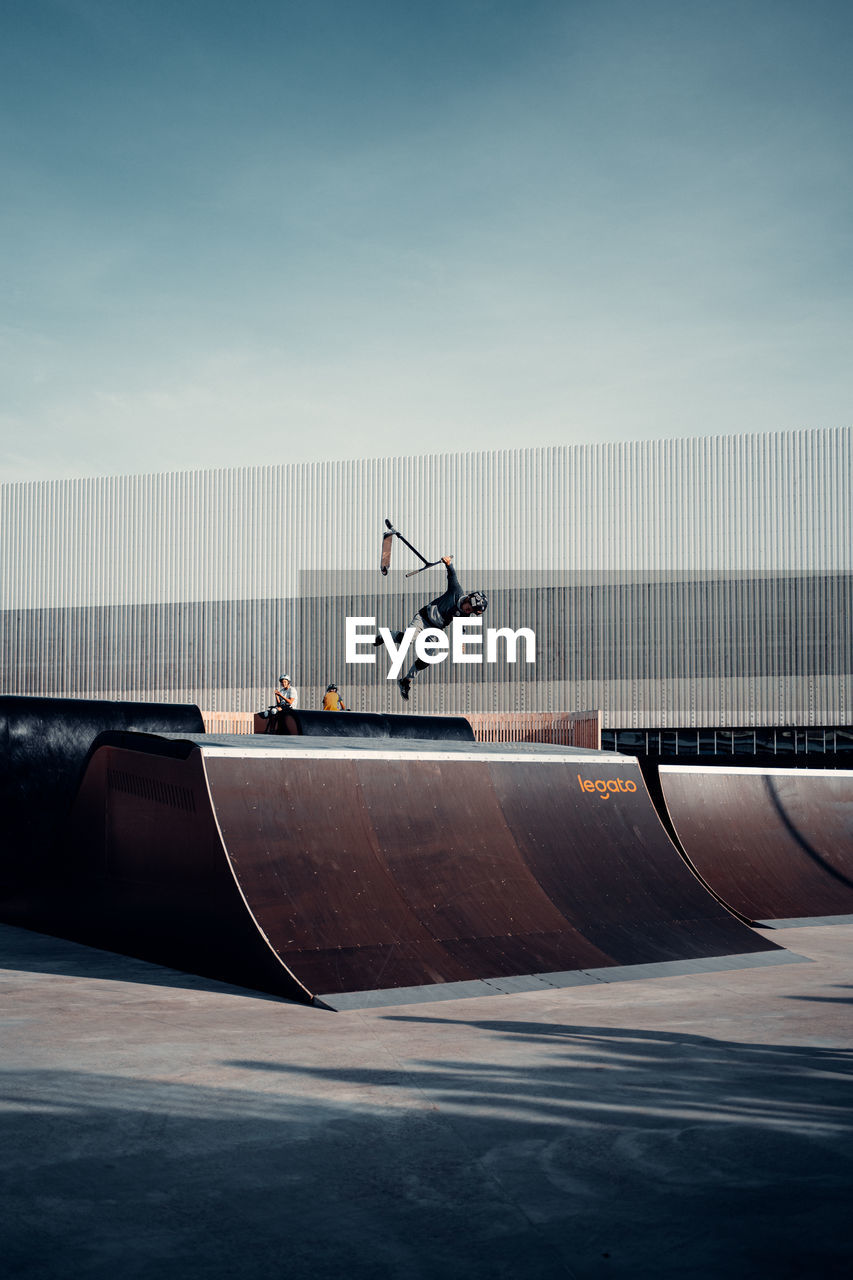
237	234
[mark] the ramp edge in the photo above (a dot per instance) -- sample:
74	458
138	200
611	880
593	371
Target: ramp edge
344	1001
803	922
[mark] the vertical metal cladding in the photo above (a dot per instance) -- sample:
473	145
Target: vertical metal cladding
691	581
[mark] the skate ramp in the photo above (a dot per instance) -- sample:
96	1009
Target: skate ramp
775	844
332	868
365	724
44	744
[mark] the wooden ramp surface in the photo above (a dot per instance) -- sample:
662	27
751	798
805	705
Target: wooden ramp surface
773	843
327	867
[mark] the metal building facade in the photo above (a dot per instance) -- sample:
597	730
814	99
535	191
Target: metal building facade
698	581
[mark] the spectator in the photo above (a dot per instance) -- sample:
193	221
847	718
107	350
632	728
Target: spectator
286	696
332	701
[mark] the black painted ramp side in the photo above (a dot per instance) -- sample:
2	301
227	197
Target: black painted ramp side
364	724
44	744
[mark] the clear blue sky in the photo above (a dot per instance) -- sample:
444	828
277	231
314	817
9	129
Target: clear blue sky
239	233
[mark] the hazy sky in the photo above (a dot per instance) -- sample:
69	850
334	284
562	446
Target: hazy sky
255	232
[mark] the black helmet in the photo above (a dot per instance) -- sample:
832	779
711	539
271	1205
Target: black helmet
331	688
478	601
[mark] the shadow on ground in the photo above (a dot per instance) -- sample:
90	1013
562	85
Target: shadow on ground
25	951
538	1150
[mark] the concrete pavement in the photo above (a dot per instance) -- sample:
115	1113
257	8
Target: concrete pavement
158	1125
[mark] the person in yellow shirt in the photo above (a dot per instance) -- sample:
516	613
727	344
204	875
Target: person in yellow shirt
332	700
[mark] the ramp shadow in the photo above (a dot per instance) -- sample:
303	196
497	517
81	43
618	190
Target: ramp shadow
30	952
797	835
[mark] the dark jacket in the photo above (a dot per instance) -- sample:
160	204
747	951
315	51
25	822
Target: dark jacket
441	611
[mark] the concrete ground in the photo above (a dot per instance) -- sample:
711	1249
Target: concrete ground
155	1125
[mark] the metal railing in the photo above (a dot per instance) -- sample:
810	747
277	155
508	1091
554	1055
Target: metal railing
799	744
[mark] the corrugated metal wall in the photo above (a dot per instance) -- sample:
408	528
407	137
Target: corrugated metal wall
690	581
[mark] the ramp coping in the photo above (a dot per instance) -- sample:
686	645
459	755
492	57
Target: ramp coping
755	770
306	748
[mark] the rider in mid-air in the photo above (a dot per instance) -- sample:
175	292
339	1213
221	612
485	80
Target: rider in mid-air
438	615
